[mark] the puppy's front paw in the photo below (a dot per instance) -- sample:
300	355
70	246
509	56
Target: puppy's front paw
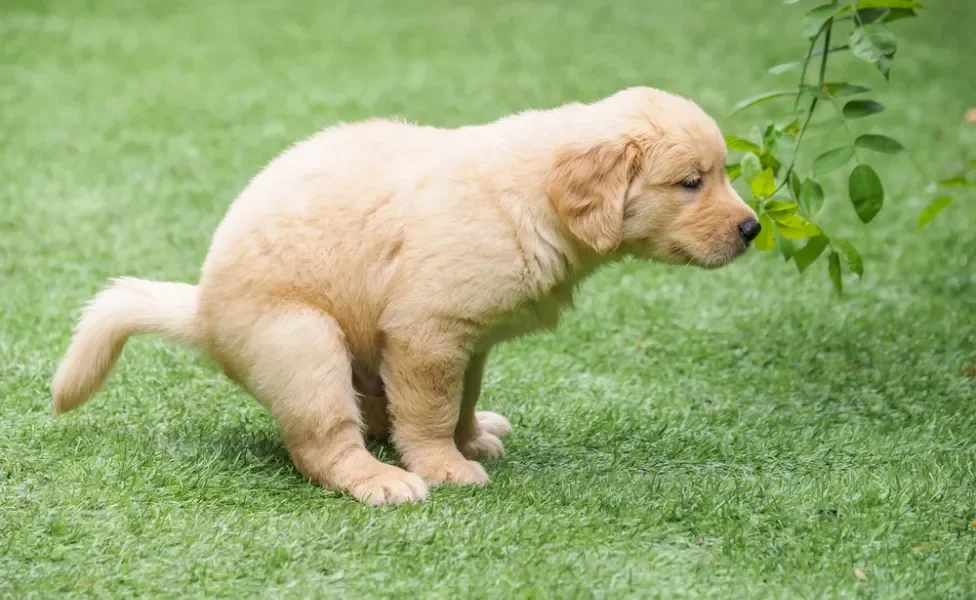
493	423
485	445
455	470
388	485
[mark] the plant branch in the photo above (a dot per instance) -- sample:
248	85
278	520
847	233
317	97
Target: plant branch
806	63
857	16
828	27
826	46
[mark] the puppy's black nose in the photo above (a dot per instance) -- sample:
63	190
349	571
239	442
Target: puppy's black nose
749	229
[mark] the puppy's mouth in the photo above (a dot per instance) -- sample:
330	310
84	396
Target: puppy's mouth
716	257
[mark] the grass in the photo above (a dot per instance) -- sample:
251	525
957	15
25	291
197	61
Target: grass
684	434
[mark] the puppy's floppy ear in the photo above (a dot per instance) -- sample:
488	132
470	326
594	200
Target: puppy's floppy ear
587	186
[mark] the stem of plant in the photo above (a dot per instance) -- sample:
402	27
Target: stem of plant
823	61
803	71
828	26
856	16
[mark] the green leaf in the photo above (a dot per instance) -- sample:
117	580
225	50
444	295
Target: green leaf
795	184
889	4
733	171
741	144
867	194
755	135
957	181
856	109
763	186
933	209
814	20
807	255
832	159
751	167
796	227
896	14
884	15
768	134
766	238
779	208
871	12
811	197
786	247
851	256
783	148
792	127
841	89
878	143
784	67
833	268
875	44
769	162
870	15
816	92
760	98
884	65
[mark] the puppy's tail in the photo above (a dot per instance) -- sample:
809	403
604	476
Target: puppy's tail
125	307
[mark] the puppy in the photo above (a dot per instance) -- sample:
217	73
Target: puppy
361	278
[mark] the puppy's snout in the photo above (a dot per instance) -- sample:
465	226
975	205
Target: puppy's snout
749	229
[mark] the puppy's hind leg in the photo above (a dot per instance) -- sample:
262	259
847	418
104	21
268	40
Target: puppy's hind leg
299	367
372	402
373	410
478	432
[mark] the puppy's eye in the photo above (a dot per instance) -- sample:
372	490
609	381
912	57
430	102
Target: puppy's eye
692	183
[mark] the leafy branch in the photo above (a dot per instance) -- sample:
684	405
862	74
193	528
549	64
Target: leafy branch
961	181
767	158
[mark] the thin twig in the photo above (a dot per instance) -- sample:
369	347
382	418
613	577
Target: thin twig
857	17
803	71
823	60
828	27
840	111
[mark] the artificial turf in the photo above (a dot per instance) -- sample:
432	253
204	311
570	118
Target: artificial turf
737	433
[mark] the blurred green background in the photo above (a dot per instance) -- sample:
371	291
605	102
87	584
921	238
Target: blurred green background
733	433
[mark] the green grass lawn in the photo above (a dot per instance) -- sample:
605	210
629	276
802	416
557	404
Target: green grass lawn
737	433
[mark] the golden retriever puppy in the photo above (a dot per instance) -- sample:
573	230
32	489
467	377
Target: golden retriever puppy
359	281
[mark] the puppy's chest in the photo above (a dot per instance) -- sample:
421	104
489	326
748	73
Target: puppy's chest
535	315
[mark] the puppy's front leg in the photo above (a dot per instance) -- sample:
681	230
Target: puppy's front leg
423	371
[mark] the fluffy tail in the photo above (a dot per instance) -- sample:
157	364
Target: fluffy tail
124	308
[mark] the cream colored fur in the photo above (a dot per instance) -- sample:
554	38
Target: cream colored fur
359	281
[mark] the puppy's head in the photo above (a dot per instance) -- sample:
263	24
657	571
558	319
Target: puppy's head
648	177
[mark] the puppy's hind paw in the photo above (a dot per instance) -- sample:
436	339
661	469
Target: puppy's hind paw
493	423
485	445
